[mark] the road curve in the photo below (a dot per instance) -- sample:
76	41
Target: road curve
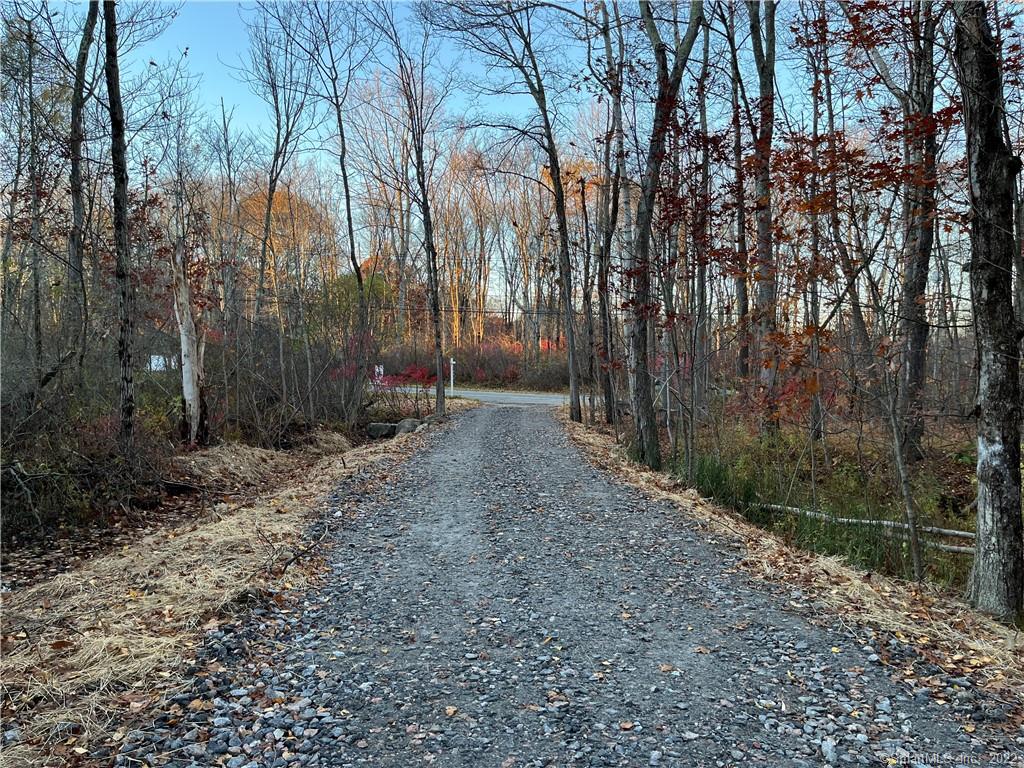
507	396
511	397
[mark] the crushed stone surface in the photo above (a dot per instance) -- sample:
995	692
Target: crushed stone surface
502	603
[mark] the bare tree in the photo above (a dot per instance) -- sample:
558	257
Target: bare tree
278	74
762	40
669	78
331	37
739	185
187	232
916	100
608	210
422	106
122	270
77	297
505	33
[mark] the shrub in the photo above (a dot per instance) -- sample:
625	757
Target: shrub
73	473
550	374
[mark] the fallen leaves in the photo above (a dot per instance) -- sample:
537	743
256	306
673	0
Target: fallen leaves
129	619
941	628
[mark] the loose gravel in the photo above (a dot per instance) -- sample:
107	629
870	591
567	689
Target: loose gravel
503	603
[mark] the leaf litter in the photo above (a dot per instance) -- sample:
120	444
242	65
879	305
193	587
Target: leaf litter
112	636
940	628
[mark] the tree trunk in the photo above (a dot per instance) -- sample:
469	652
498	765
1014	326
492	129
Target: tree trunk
997	579
362	331
920	196
77	307
588	293
194	428
122	269
646	448
35	183
813	287
702	254
432	277
765	273
565	291
862	354
742	261
609	215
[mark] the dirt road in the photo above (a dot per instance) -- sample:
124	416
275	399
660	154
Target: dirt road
505	604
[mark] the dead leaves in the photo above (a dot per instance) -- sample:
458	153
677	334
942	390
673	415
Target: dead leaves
129	620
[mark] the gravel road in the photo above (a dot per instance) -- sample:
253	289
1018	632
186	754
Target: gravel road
502	603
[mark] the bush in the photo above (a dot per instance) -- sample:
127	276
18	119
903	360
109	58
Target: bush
551	374
72	473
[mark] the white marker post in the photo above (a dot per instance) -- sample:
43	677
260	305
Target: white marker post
451	374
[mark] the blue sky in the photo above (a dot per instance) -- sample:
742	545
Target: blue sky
214	34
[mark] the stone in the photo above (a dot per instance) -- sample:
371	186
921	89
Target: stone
828	751
407	425
380	429
195	750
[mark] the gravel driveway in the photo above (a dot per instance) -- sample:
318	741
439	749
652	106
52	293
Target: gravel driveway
505	604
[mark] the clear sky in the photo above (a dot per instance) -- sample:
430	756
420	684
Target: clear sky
214	34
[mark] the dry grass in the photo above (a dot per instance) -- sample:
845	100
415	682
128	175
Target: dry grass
115	633
943	629
234	465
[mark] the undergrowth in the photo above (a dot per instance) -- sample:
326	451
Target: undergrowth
848	474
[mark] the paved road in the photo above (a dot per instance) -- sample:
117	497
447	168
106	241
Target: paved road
501	603
512	397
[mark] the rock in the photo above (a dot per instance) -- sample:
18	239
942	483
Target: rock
407	425
380	429
195	750
828	751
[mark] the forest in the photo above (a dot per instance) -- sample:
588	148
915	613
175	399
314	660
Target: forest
777	249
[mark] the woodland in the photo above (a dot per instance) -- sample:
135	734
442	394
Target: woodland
775	249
